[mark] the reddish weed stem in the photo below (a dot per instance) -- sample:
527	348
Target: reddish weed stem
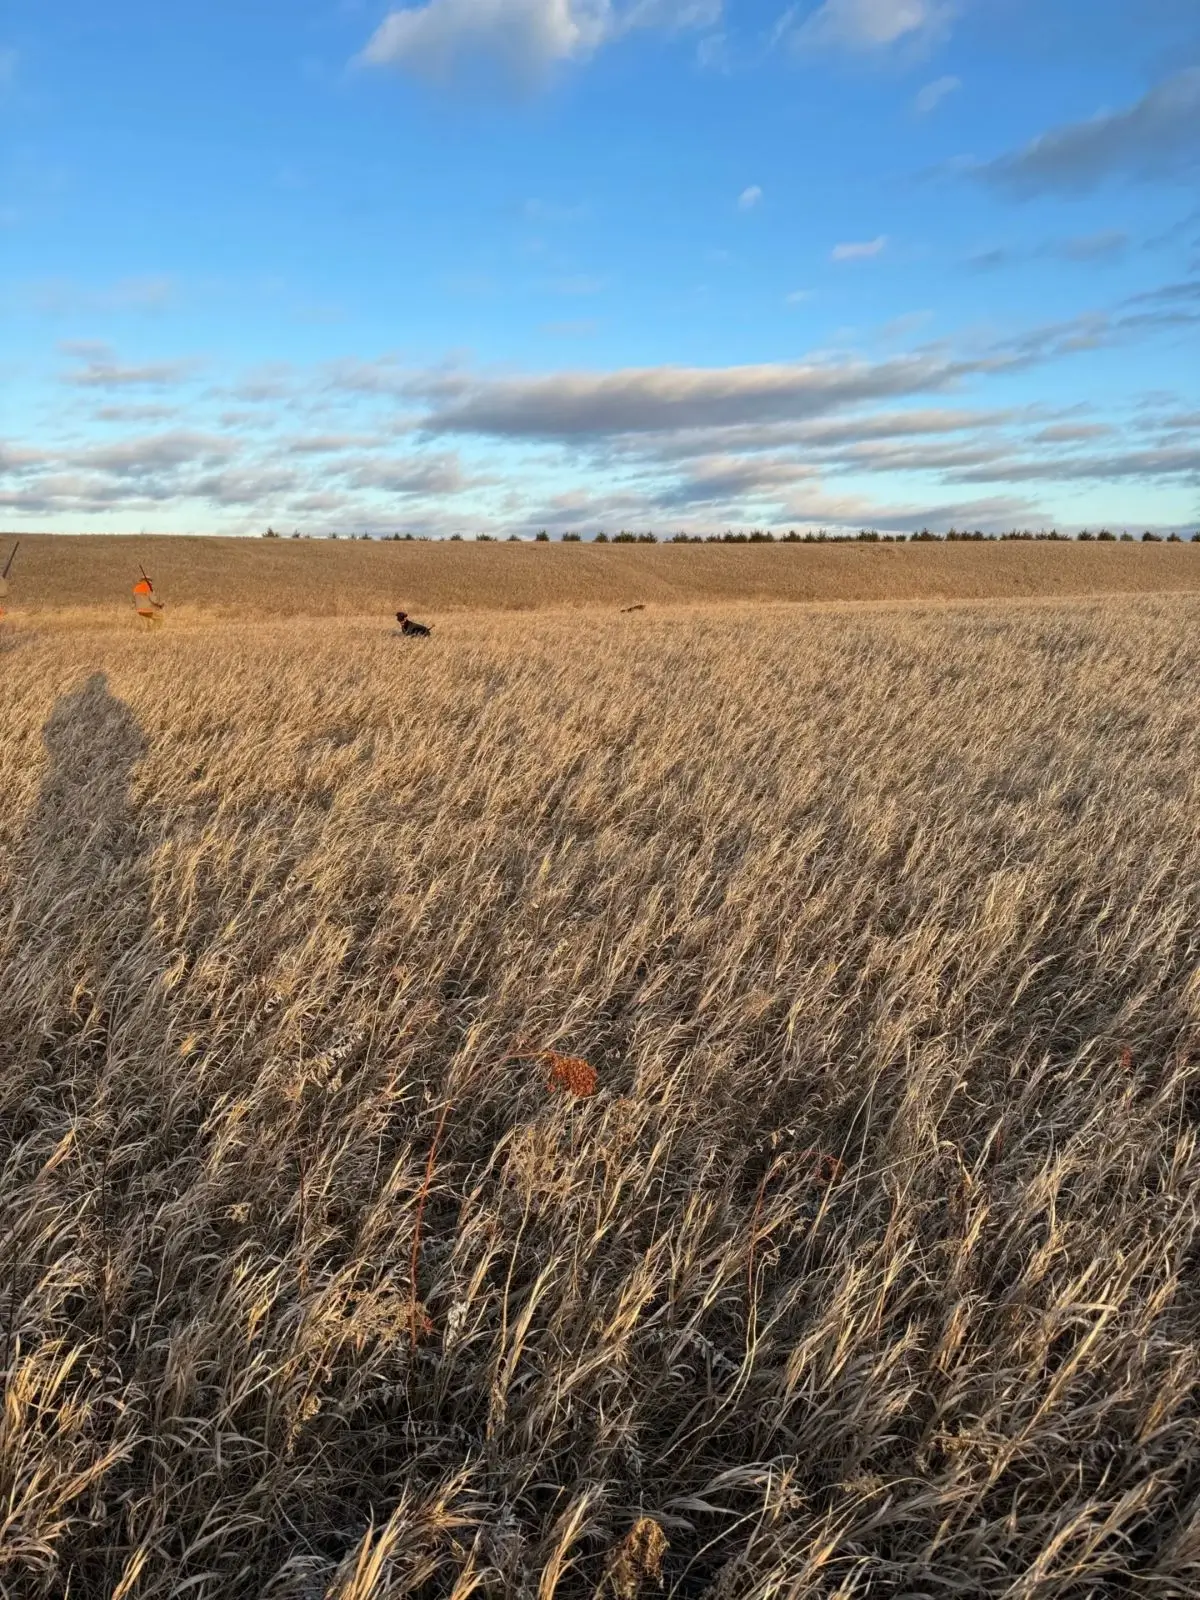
416	1240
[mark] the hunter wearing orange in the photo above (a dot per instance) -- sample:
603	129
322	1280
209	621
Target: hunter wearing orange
148	608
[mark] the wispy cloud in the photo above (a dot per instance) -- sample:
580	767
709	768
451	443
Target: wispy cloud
863	250
138	457
327	444
931	96
439	474
523	38
775	442
102	371
576	284
87	349
636	403
991	260
869	25
229	472
1088	247
749	198
1156	137
64	297
134	413
520	40
574	406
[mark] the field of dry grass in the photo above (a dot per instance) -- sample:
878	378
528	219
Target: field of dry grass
261	578
868	1269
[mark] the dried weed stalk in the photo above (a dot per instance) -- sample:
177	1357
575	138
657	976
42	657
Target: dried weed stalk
637	1562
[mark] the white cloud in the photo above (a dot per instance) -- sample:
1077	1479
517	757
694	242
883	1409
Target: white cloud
87	349
104	373
239	486
139	456
1103	246
586	408
773	444
523	39
797	297
724	480
931	96
439	474
272	381
577	406
135	413
327	444
871	24
1156	137
524	36
61	297
712	53
749	198
862	251
8	70
18	459
672	15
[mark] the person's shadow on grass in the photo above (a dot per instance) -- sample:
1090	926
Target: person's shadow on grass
82	959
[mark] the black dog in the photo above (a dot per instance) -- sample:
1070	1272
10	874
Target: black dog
411	629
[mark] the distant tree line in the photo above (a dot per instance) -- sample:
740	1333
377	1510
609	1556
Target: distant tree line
765	536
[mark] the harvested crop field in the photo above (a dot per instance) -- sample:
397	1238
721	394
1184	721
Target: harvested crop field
585	1102
254	579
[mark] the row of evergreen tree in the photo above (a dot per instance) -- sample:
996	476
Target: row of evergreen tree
764	536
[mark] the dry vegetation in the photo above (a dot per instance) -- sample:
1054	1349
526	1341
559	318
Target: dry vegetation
260	578
867	1269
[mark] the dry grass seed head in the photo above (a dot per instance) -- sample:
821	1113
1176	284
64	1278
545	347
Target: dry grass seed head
637	1562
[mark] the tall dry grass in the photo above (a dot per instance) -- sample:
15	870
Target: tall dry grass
868	1269
257	579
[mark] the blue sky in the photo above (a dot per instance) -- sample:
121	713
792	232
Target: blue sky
497	265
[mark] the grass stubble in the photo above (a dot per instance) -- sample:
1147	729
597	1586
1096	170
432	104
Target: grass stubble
868	1268
86	577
